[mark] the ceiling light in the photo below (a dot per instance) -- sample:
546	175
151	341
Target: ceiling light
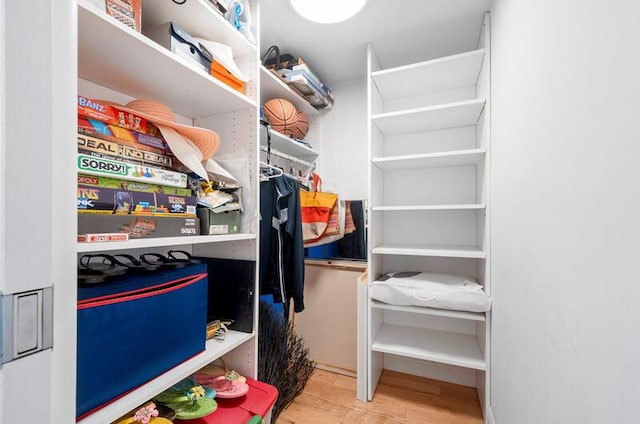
327	11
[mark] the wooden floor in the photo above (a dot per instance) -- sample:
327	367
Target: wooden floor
330	398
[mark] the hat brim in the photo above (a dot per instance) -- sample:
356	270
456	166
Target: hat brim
207	141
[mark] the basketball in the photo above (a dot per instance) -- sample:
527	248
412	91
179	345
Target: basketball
301	127
282	115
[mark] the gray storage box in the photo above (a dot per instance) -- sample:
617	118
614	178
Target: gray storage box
225	222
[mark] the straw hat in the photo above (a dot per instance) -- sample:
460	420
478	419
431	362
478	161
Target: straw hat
158	113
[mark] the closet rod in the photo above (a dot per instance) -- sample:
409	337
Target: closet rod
286	156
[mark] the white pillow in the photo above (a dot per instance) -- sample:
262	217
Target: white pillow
442	291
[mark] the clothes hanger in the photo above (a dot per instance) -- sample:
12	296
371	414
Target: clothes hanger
274	171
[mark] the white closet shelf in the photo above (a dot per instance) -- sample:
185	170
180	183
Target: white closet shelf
160	242
135	65
214	349
439	250
199	19
430	160
449	115
272	86
289	146
472	316
429	207
440	74
431	345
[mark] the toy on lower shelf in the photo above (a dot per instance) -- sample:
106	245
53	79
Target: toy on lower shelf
258	401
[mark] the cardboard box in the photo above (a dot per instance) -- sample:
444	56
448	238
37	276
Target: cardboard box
226	222
119	201
92	165
126	11
95	146
129	12
138	226
106	182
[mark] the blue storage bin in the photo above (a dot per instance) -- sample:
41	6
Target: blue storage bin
325	251
135	328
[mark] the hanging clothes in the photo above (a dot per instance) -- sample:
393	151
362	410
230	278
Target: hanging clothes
354	244
281	243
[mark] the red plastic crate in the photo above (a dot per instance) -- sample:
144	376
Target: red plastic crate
258	401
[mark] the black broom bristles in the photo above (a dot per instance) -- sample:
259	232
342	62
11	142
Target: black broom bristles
283	359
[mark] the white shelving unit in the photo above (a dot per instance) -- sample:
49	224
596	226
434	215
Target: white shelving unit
474	316
429	153
439	250
272	86
161	242
118	63
430	160
288	146
450	115
428	207
286	149
430	345
202	20
460	70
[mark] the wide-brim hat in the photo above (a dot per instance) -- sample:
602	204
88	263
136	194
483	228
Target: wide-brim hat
159	114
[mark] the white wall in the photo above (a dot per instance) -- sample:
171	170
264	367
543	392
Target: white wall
342	163
566	211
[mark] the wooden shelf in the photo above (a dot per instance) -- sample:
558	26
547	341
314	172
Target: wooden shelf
199	19
445	251
430	160
431	345
429	208
440	74
449	115
160	242
214	349
289	146
473	316
135	65
272	86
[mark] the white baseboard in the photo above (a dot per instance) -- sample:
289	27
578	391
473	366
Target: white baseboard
490	418
337	370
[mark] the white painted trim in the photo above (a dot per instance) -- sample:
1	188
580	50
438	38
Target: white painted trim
490	419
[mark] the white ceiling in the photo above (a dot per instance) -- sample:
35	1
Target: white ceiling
401	32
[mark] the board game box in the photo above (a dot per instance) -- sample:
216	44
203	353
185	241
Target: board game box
138	226
118	201
117	169
106	182
94	146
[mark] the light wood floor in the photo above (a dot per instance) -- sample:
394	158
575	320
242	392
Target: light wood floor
330	398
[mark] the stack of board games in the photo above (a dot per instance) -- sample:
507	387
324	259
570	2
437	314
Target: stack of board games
127	182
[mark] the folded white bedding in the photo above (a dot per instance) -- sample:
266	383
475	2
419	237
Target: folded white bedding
442	291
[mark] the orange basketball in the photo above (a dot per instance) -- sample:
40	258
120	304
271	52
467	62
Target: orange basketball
282	115
301	127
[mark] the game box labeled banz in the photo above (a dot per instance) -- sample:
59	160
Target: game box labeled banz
104	200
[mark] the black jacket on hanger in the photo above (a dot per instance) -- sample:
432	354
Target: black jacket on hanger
281	243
